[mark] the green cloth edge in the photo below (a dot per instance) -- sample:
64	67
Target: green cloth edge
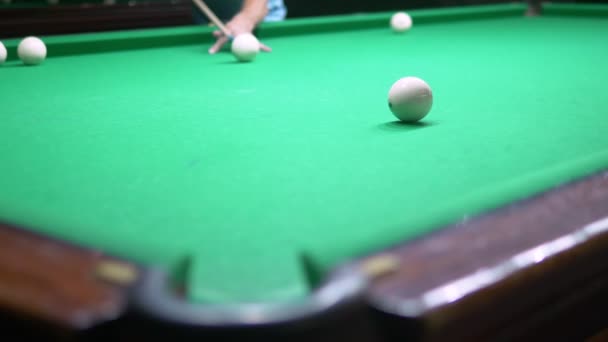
100	42
531	185
572	9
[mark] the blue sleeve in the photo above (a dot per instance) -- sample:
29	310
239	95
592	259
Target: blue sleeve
276	10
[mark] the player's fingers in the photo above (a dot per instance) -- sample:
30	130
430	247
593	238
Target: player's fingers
217	33
218	44
265	47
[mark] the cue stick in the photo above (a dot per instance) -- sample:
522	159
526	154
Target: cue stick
211	16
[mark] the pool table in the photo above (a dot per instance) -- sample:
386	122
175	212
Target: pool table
148	188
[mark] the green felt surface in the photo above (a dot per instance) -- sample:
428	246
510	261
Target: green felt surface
157	151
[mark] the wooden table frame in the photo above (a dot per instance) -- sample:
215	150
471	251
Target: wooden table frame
535	269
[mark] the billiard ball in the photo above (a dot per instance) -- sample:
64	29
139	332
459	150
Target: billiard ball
31	51
3	53
245	47
401	22
410	99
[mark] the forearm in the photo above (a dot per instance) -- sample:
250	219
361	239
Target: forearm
251	14
255	10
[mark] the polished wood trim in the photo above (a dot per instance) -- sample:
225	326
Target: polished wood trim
552	290
60	286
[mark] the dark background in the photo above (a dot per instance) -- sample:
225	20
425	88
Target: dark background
300	8
20	18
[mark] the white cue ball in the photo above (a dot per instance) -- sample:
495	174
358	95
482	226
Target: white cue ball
245	47
31	51
401	22
410	99
3	53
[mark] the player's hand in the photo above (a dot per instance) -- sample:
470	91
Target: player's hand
239	24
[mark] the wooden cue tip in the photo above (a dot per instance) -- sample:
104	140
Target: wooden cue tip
212	17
